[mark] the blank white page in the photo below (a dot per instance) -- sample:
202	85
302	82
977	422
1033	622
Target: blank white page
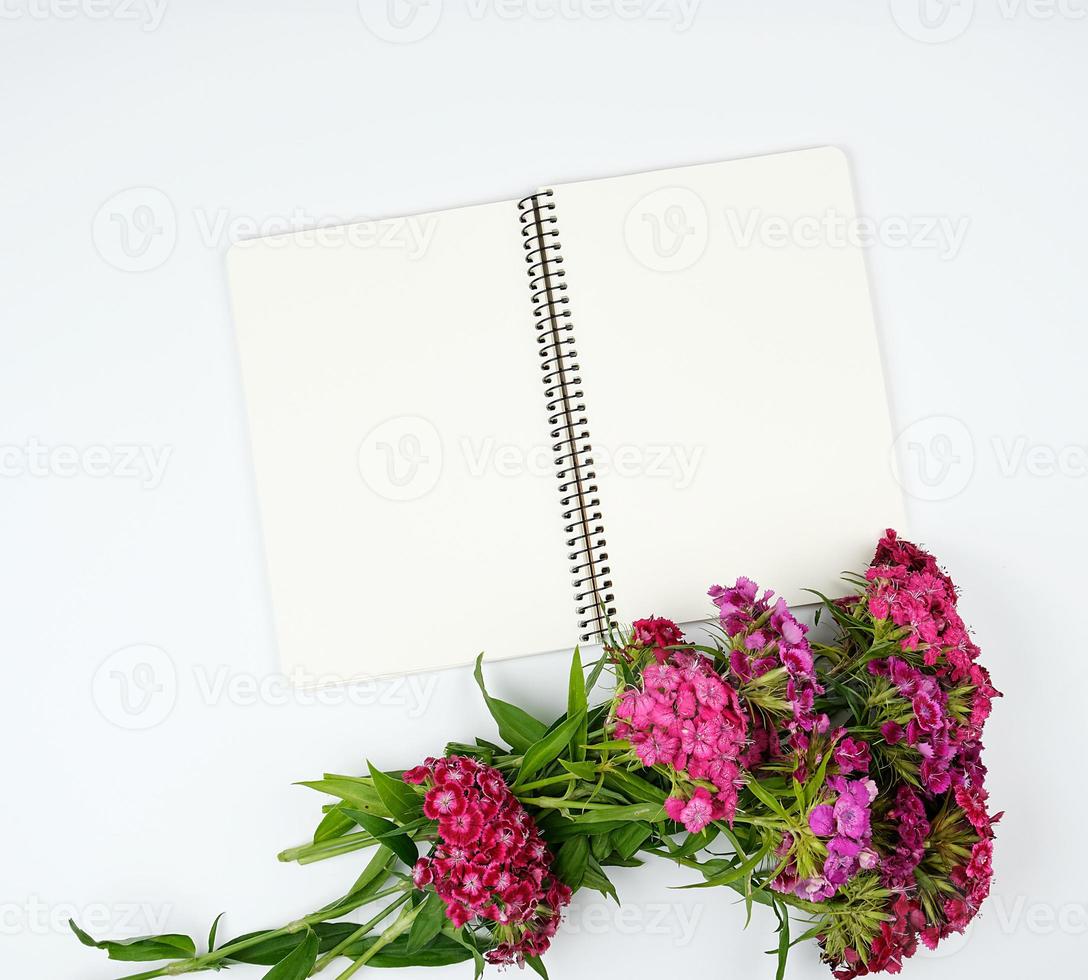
733	382
398	426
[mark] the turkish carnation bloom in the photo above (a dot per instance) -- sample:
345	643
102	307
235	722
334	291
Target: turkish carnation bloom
847	822
490	862
684	716
658	634
852	755
766	635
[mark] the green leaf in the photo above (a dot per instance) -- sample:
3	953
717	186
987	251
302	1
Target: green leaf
459	937
140	950
765	797
428	924
440	951
519	728
595	673
631	838
394	837
334	824
733	874
583	770
269	952
596	879
541	752
783	914
297	964
571	862
698	842
600	846
652	812
577	704
402	802
214	930
635	787
359	793
536	964
374	874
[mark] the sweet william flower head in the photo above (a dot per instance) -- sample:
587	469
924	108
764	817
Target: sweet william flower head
490	862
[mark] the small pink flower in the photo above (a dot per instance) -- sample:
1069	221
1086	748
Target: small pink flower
893	733
822	820
444	801
698	812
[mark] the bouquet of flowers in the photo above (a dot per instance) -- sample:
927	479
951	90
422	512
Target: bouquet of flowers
837	781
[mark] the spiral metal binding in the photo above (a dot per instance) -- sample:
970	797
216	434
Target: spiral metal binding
567	416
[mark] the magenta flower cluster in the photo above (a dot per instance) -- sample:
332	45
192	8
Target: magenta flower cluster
686	717
490	861
847	821
765	635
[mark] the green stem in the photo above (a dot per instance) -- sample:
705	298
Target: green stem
359	933
541	783
198	963
403	923
309	853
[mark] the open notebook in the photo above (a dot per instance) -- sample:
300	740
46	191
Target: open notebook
496	428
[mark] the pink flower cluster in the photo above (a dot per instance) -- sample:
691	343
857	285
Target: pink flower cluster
909	589
686	717
973	878
765	636
490	861
848	822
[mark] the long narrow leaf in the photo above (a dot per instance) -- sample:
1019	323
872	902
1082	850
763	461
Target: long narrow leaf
547	749
519	728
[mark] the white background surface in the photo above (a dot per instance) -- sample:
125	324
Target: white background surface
240	119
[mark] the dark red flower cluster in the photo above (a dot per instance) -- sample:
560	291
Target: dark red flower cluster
896	941
658	634
911	829
490	861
